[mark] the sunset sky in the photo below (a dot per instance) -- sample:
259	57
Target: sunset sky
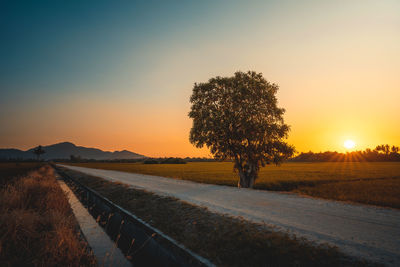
118	74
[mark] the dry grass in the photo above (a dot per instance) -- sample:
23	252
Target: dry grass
37	226
383	192
372	182
11	170
225	240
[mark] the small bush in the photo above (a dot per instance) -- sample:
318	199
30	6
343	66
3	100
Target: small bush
150	161
173	161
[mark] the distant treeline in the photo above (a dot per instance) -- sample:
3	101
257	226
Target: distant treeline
380	153
166	160
78	159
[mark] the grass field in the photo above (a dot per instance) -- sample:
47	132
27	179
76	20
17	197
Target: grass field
37	226
10	170
375	183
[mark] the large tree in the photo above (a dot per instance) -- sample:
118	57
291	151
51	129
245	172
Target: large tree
238	119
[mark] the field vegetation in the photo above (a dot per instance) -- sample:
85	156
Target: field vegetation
11	170
37	226
375	183
225	240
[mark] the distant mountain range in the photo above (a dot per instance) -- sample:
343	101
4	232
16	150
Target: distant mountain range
65	150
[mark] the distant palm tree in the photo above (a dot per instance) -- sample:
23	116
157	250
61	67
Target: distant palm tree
38	151
386	149
380	148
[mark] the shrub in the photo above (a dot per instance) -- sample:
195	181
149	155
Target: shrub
150	161
173	161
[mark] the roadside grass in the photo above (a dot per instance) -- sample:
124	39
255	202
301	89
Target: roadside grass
368	179
225	240
37	226
10	170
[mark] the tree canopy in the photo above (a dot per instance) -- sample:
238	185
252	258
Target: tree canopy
238	118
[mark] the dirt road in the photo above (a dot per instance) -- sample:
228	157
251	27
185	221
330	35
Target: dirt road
363	231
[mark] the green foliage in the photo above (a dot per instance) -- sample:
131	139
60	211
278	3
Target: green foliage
237	118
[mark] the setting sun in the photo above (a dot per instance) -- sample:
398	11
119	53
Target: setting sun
349	144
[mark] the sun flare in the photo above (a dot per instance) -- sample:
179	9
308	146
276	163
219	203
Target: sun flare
349	144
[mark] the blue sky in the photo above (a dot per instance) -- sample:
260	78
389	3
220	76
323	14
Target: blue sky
46	44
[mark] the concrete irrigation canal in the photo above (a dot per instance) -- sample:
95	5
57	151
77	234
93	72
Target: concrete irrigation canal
122	235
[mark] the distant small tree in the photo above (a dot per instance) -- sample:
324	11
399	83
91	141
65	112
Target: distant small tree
378	149
74	158
38	151
386	149
238	119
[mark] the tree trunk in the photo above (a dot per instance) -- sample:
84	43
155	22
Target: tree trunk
246	179
242	180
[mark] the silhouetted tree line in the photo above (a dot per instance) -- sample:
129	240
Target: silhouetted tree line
380	153
78	159
176	160
188	159
164	161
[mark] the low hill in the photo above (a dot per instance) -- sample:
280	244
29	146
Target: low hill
66	149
